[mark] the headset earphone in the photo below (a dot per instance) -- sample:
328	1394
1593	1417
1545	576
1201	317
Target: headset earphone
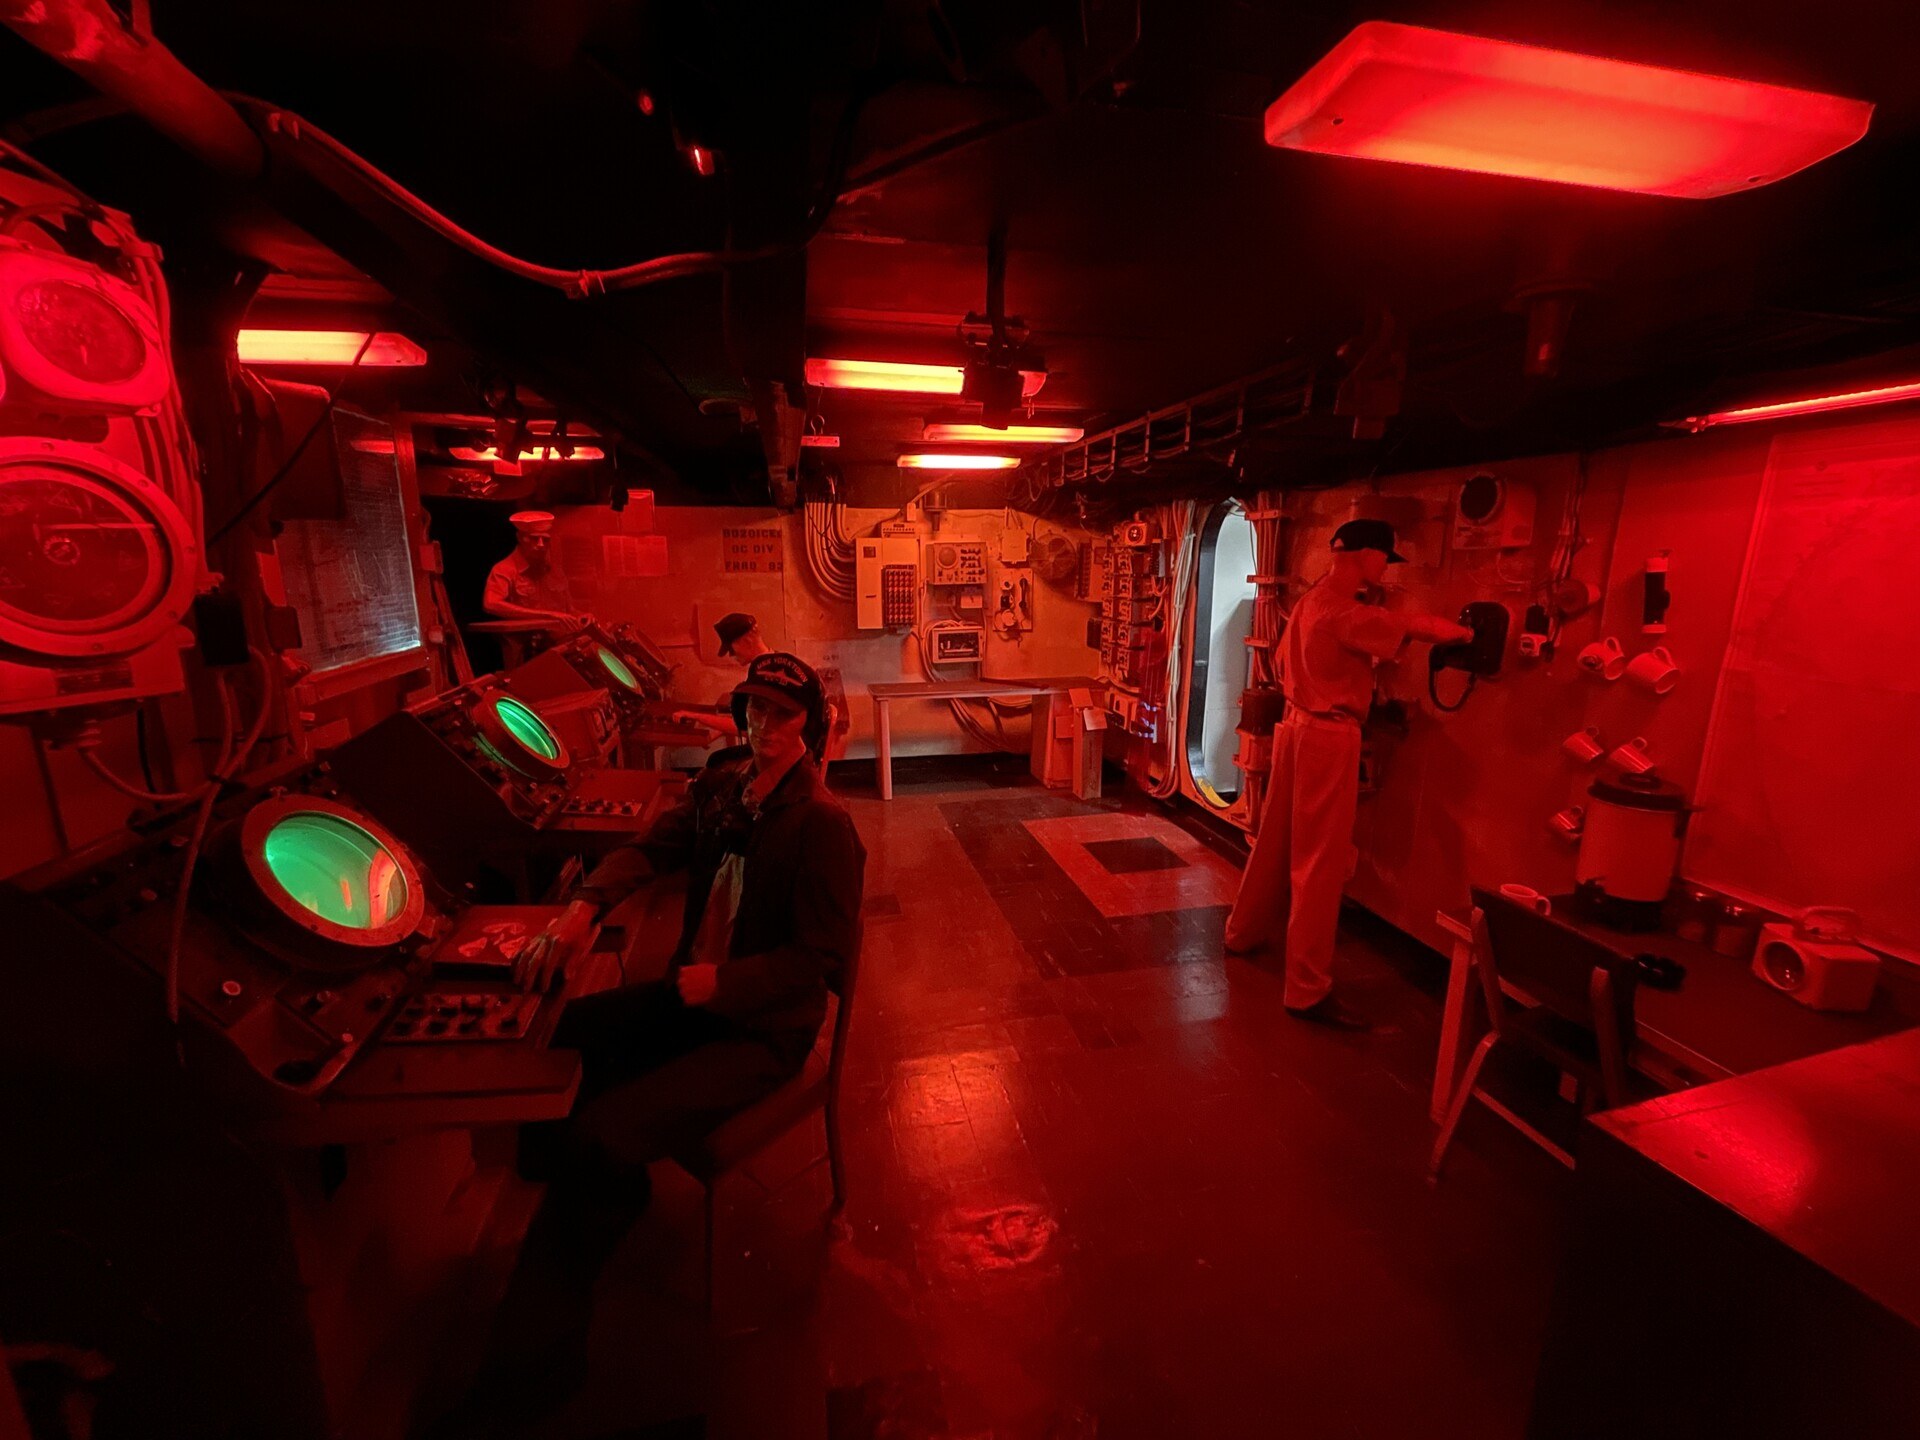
814	732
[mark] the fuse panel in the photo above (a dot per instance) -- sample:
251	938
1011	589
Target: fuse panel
898	588
1133	651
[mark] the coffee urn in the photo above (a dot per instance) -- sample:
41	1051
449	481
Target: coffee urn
1630	849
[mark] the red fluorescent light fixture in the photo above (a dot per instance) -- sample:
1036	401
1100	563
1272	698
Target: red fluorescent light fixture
1810	405
971	460
1460	102
486	454
328	347
941	433
902	378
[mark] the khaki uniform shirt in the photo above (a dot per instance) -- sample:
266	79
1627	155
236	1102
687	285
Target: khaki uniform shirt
1331	644
511	582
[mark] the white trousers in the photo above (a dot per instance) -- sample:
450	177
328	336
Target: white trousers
1304	852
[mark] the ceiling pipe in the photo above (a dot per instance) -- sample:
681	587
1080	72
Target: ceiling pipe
89	39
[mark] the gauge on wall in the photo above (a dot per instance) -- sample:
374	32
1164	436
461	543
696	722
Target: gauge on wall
94	558
98	568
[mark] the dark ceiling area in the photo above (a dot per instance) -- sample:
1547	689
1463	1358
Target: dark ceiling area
862	155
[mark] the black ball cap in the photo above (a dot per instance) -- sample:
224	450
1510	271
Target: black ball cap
784	679
1368	535
730	628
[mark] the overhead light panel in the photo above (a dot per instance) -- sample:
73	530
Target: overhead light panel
956	434
329	347
486	454
891	375
1809	405
902	378
970	460
1461	102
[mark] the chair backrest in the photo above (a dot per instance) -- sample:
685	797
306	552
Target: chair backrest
842	986
1574	975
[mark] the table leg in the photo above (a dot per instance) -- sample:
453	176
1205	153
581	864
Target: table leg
1453	1026
883	747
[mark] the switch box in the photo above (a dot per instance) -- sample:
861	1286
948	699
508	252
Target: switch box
958	644
897	591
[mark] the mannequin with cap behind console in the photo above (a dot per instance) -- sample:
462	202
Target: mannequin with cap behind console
741	643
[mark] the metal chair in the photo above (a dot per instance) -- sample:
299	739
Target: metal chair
1581	1021
746	1134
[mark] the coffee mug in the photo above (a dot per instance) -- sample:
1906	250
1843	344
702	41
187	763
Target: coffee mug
1528	896
1584	745
1605	659
1570	822
1654	670
1536	647
1631	758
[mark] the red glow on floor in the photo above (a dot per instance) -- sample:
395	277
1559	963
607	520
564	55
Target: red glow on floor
1460	102
328	347
1810	405
1006	1237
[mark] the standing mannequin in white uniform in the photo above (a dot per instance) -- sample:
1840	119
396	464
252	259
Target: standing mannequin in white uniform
525	585
1304	851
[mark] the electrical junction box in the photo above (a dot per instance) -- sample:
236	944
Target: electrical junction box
956	562
958	644
886	573
1090	570
1492	514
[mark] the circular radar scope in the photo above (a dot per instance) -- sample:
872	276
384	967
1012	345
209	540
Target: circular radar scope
512	732
617	668
333	871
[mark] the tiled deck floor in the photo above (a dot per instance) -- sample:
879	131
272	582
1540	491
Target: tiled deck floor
1100	1184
